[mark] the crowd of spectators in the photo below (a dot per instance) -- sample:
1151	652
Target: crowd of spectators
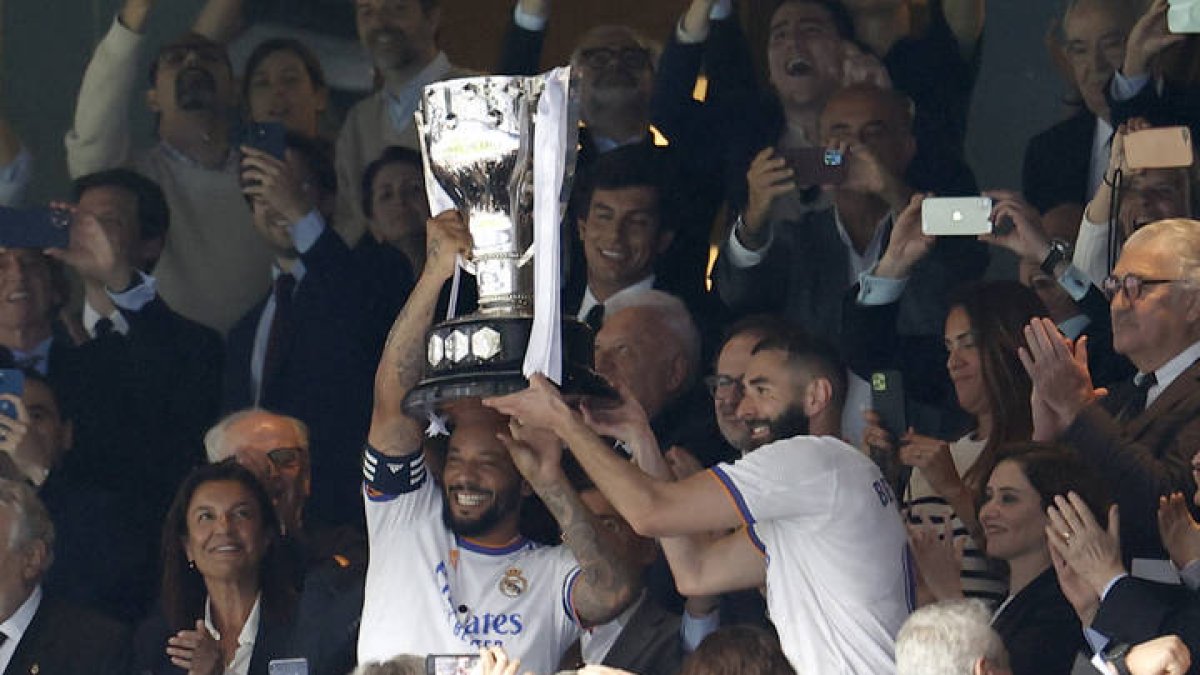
835	442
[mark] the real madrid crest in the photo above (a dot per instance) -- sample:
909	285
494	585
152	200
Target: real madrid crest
513	584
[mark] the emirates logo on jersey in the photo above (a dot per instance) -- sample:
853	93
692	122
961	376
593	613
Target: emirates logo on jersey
514	583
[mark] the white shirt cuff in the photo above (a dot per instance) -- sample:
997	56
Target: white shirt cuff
1125	88
873	290
137	296
1075	283
742	257
723	9
529	21
306	231
693	629
1191	575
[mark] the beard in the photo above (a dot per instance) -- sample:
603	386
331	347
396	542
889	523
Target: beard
195	89
790	422
503	503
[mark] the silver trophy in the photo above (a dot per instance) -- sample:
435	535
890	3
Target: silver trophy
477	141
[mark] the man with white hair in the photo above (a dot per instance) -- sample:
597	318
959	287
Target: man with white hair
38	634
950	638
1142	435
650	345
275	448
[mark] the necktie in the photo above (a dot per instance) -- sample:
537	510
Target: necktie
595	317
281	327
1137	402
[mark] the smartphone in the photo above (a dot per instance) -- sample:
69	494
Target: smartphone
887	400
452	664
1159	148
1183	16
816	166
953	216
12	381
34	228
268	137
287	667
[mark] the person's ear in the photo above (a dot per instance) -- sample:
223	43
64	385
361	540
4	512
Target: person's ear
817	396
678	372
152	101
35	561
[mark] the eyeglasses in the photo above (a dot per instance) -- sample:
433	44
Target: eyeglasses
724	386
633	58
285	458
1130	284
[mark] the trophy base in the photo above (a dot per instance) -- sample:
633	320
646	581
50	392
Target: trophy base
481	356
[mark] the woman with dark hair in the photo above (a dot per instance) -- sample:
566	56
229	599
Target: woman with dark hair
284	83
227	603
1038	625
984	328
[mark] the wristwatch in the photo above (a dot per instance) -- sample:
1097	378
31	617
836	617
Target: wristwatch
1059	251
1114	655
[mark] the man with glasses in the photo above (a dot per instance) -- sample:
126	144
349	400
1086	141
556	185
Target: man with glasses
213	266
1143	433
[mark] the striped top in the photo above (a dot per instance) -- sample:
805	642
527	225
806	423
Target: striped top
979	578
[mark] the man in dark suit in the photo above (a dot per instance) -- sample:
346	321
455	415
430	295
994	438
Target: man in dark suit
306	350
1065	164
143	388
41	635
803	268
1142	435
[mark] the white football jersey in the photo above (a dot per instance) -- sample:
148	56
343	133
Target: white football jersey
429	591
838	572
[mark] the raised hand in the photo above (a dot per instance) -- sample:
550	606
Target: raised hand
1166	655
932	456
446	239
1026	238
537	453
908	245
1179	531
1076	589
275	183
768	178
1149	38
95	252
1093	552
938	554
1059	369
540	405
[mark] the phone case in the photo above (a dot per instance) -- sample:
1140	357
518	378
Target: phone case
1161	148
953	216
1183	16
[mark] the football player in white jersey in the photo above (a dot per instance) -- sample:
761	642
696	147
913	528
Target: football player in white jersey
449	571
816	522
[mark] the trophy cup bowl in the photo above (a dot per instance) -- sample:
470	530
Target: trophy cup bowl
477	137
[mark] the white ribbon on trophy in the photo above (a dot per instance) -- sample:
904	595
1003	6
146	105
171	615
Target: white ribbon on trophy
552	133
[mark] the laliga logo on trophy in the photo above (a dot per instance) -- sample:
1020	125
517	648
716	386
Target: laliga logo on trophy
502	151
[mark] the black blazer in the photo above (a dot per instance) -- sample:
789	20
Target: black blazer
1136	610
650	642
1057	162
1144	457
63	640
272	642
326	376
1040	629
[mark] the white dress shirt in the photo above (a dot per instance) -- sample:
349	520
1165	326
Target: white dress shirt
240	665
